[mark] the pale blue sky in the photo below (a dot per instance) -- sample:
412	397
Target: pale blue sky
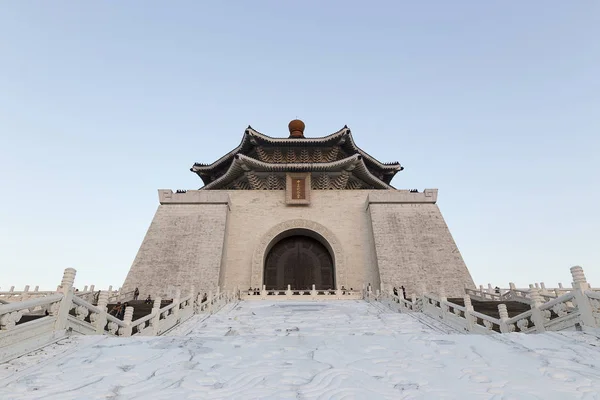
497	104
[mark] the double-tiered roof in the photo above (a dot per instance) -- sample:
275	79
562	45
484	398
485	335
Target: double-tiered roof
261	162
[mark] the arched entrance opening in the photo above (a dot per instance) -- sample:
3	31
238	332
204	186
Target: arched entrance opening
300	259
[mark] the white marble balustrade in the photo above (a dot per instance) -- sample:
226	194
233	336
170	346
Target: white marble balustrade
66	311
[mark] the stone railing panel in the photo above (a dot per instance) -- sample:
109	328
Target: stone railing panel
594	299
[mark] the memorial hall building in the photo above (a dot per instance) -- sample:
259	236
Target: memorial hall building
297	211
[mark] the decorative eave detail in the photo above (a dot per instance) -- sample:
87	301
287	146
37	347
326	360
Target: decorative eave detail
242	164
253	138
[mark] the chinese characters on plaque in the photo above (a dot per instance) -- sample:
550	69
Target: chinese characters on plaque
298	188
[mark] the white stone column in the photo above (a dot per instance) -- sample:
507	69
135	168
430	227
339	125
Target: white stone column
288	292
469	309
126	330
193	298
579	280
66	288
25	294
101	317
580	285
443	299
177	303
536	314
263	292
502	310
209	300
155	321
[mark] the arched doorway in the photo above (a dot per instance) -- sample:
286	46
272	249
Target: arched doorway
299	261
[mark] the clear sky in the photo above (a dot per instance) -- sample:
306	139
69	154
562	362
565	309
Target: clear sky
497	104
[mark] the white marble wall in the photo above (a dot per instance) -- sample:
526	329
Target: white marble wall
207	238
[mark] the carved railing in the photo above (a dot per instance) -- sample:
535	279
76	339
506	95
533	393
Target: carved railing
519	294
89	295
66	311
301	295
577	308
594	298
216	302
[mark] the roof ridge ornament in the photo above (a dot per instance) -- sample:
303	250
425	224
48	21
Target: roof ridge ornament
296	128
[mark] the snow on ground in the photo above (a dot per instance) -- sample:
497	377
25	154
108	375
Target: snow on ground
314	350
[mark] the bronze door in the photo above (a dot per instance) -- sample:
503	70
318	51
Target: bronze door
299	261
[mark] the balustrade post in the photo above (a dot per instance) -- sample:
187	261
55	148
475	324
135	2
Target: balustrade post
12	289
580	285
560	285
579	280
288	292
512	286
92	288
443	298
209	300
193	298
468	310
36	289
177	303
25	294
85	288
313	292
536	313
413	300
126	330
543	288
155	321
263	292
490	289
503	318
66	288
481	291
100	322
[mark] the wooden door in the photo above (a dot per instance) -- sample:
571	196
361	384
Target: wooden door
299	261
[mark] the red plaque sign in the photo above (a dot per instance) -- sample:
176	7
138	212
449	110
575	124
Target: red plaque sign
298	189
